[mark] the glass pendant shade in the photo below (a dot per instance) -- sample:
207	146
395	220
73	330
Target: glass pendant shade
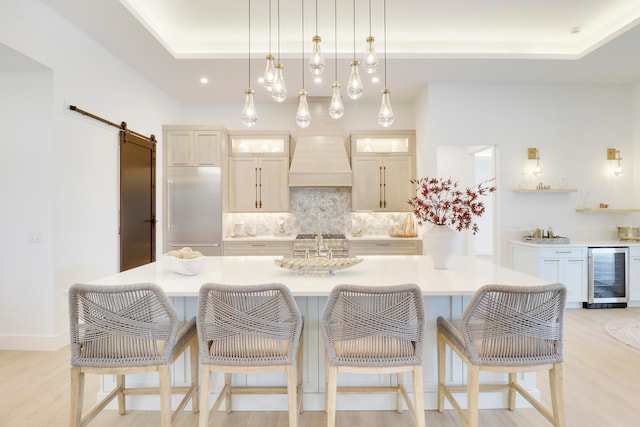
249	114
316	62
370	62
269	74
385	115
354	88
336	109
303	116
278	89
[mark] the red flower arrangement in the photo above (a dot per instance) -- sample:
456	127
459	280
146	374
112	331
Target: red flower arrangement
440	201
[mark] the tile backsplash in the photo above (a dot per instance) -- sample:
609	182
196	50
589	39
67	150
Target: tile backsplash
327	209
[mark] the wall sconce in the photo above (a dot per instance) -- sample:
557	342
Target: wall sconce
613	154
534	154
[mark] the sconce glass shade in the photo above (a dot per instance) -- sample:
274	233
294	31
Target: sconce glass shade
249	113
279	89
336	109
354	88
385	114
618	171
537	171
269	74
316	62
303	116
370	61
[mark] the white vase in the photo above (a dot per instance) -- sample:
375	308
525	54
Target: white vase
440	242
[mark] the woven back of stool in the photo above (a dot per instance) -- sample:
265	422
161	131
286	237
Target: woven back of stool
248	325
374	325
121	325
515	325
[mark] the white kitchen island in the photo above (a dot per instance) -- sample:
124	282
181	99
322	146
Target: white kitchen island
446	293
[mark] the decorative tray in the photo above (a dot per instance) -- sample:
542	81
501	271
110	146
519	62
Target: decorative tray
317	264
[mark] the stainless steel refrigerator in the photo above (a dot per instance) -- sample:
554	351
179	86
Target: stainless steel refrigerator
194	209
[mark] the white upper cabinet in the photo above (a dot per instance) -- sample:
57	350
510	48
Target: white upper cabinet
259	172
194	147
383	164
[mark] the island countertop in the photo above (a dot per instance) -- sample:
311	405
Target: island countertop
464	276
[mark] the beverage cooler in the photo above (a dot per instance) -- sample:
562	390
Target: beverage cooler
608	277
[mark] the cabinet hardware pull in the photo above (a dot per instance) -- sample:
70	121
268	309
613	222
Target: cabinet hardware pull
380	196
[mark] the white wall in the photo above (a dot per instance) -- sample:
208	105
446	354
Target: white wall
60	171
571	125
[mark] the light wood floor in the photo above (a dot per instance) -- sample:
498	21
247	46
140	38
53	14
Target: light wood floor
601	382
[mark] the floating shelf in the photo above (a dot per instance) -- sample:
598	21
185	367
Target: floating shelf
607	210
552	190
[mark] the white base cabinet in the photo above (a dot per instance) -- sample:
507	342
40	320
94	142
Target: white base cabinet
567	265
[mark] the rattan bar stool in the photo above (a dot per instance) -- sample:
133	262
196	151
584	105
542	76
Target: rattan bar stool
508	329
375	330
128	329
248	329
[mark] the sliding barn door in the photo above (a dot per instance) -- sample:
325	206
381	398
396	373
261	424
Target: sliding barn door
137	201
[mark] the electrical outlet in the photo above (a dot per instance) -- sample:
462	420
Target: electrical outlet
34	237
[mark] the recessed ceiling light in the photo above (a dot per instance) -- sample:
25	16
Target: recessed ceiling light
375	79
317	79
204	80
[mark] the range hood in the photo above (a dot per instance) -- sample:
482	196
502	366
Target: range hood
320	158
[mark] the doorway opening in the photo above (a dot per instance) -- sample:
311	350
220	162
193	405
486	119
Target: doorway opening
470	165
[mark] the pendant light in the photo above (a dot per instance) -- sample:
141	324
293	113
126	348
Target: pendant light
316	62
249	114
269	72
370	61
354	87
303	116
336	109
385	114
279	89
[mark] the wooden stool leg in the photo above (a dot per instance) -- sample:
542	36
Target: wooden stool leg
399	396
441	347
418	396
227	381
77	396
193	358
512	391
121	384
332	384
473	391
292	395
203	419
299	362
165	396
557	395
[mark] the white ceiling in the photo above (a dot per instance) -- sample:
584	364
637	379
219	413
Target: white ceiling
173	43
